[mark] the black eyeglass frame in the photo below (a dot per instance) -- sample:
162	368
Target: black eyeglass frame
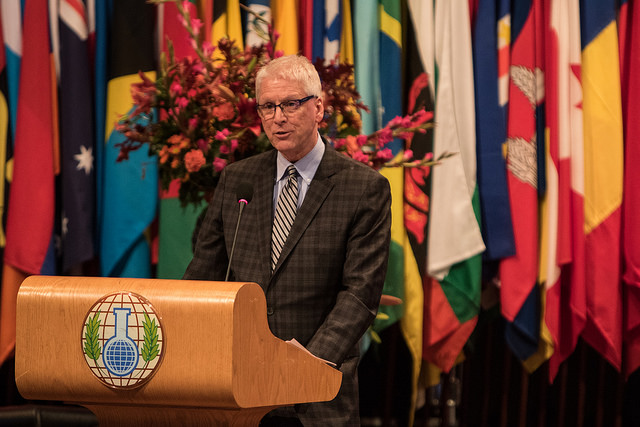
297	103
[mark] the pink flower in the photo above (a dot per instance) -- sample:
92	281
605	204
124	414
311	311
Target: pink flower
385	136
176	88
182	102
362	140
202	144
219	164
196	24
193	122
194	160
408	155
361	157
384	154
221	135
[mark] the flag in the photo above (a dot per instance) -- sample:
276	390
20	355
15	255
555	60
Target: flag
603	163
630	43
227	22
130	190
332	29
12	34
100	67
346	35
455	242
176	224
319	30
306	27
76	136
367	59
518	273
6	160
256	30
564	276
285	23
31	210
491	134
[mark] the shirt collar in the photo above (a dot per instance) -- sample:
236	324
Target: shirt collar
306	166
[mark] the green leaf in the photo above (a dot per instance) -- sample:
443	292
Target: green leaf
92	342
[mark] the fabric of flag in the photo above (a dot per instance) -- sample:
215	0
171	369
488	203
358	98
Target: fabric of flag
455	242
12	34
332	29
518	273
547	216
603	160
226	22
491	134
256	30
346	35
6	160
175	223
367	60
31	210
76	136
563	208
318	33
100	55
305	28
130	190
285	23
403	278
419	80
630	43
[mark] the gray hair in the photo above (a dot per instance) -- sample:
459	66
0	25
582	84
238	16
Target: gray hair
294	68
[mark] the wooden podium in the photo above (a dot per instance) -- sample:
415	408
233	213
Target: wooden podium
220	363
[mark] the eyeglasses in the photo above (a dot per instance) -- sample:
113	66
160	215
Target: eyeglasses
268	109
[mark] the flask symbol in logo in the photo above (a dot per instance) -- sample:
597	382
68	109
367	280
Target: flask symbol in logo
120	354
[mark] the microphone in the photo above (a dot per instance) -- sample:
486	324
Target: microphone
244	193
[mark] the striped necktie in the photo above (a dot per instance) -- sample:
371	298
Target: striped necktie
285	215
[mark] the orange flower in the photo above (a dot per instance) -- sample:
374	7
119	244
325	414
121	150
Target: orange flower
194	160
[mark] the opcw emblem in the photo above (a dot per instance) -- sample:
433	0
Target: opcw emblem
122	340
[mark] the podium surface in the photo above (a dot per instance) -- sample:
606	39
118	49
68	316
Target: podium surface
211	359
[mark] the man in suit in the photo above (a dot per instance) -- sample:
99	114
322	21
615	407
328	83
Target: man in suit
322	278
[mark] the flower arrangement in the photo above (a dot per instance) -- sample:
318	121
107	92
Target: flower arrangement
200	114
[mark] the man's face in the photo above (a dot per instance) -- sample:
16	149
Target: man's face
293	134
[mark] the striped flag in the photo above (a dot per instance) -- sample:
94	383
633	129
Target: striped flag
31	210
630	43
455	242
603	160
518	273
76	137
564	272
285	22
130	192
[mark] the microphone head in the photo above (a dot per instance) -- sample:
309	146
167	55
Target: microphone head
244	192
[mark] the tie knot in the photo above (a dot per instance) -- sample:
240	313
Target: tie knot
291	171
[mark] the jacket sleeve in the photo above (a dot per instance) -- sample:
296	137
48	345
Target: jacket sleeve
363	275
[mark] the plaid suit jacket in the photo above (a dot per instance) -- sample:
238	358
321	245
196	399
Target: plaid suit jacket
326	288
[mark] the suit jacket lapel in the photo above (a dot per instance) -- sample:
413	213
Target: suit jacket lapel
264	191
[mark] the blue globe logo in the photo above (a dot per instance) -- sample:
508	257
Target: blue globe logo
120	353
123	340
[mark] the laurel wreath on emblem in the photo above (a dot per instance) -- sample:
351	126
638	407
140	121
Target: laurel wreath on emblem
91	336
150	348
